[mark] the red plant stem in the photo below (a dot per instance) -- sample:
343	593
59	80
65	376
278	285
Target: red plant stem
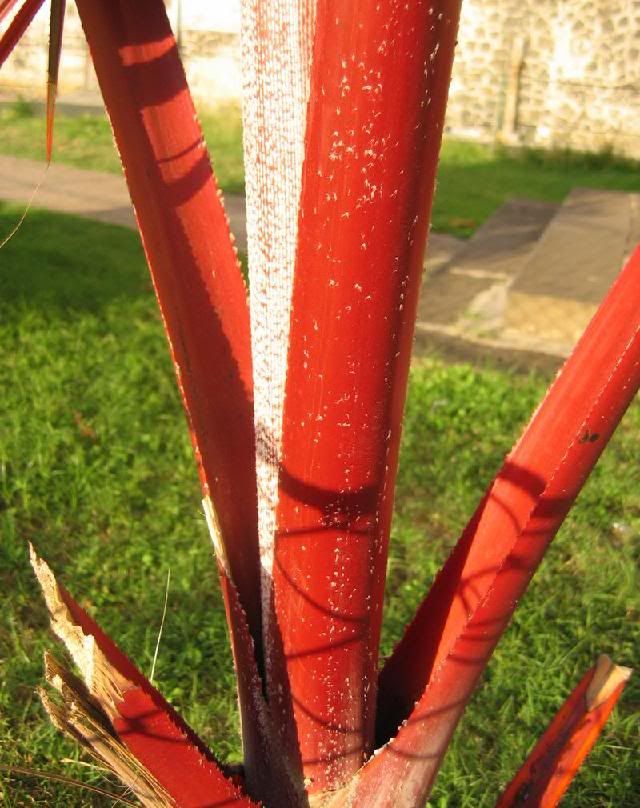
186	238
55	46
553	763
446	647
268	775
379	85
18	26
5	7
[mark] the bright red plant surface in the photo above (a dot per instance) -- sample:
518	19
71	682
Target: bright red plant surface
18	25
367	186
552	764
304	589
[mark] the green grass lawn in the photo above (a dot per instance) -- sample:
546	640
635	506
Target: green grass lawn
473	179
96	469
86	141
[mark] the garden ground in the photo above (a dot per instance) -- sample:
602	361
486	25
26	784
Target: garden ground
96	469
473	180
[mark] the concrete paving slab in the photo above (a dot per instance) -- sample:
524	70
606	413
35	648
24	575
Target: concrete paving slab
445	298
460	347
501	294
441	250
572	267
468	291
104	197
584	248
71	104
90	194
236	208
503	243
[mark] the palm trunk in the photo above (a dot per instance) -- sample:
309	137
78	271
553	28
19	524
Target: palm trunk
379	83
194	267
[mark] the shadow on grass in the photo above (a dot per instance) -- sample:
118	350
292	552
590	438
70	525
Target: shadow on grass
62	265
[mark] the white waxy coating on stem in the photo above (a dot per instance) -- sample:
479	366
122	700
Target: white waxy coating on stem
277	38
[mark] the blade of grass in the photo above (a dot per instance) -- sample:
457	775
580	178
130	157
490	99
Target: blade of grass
554	761
68	781
379	83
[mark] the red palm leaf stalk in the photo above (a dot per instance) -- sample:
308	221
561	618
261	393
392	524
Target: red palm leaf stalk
379	83
554	761
186	238
55	46
5	7
144	722
445	649
18	25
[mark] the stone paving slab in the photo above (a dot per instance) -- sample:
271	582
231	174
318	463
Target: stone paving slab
584	247
90	194
503	243
441	249
469	290
446	297
573	266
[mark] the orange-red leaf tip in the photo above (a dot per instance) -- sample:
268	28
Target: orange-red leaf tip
551	766
56	22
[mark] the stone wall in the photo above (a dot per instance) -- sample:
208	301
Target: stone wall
208	42
542	72
549	72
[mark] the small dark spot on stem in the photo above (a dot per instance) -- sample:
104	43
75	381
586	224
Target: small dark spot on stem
589	437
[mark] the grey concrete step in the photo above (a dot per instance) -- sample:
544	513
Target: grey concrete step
480	270
501	245
531	312
441	250
573	265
